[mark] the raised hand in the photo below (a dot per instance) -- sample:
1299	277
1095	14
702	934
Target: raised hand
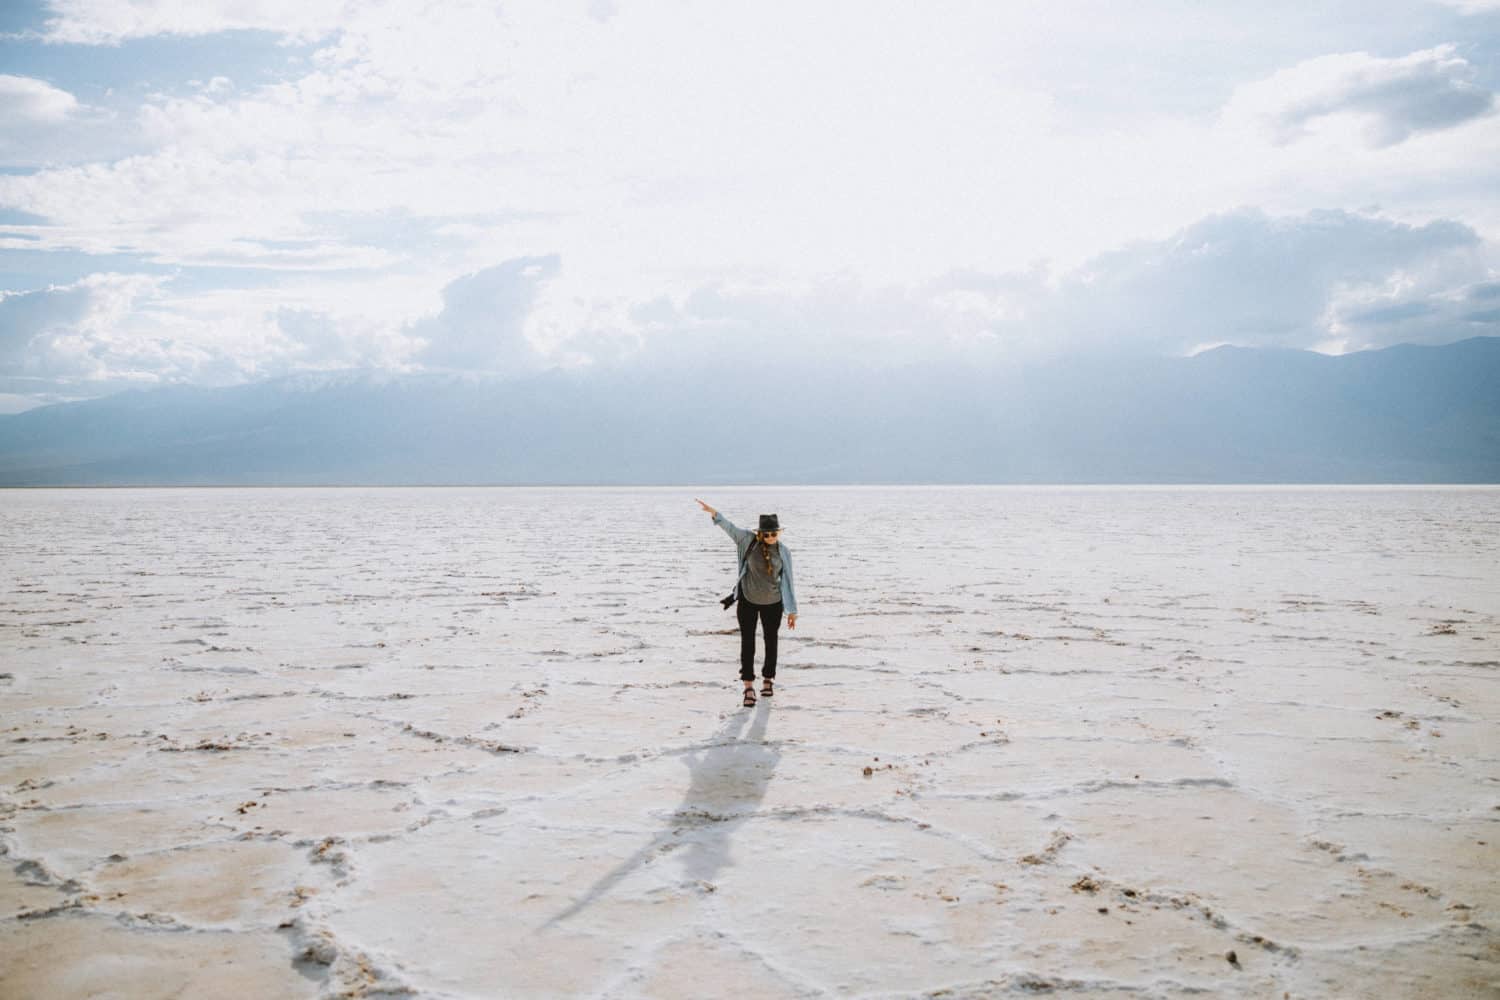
705	506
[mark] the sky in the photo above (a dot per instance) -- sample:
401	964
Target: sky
217	191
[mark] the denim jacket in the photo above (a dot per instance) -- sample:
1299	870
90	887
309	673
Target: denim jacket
743	538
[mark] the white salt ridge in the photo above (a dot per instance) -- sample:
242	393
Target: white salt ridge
469	743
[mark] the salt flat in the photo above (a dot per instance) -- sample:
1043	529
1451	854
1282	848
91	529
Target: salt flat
487	742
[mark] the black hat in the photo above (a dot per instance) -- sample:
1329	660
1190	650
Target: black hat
768	522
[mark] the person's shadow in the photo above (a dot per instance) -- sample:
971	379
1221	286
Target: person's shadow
728	780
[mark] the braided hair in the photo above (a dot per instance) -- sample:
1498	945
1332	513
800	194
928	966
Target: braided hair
765	552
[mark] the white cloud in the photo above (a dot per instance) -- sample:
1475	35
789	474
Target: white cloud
189	206
857	149
1248	278
107	331
482	325
849	149
1386	100
1332	281
321	341
23	99
109	22
42	125
877	177
1472	6
1329	281
73	331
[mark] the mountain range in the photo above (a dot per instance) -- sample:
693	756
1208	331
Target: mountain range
1404	414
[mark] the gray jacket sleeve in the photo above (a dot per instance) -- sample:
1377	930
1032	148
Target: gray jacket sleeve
788	593
740	535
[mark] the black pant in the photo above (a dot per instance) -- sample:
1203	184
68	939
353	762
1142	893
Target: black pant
770	624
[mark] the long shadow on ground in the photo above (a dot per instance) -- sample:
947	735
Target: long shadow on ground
728	778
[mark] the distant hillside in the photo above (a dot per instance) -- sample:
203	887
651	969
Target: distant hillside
1404	414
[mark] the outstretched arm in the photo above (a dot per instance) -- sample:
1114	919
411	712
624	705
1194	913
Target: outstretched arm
738	534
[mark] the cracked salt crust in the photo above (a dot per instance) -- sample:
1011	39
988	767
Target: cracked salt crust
476	747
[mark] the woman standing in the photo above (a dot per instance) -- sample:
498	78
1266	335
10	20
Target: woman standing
764	590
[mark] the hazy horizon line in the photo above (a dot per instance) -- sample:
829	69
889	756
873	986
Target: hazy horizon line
755	486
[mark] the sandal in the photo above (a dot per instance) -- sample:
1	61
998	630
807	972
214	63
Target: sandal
749	697
765	688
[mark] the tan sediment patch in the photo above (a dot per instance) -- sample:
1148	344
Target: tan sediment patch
75	839
77	956
234	883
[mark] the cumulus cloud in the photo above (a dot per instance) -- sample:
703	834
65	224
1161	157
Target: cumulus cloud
1389	99
319	340
41	123
25	316
1400	313
109	331
482	325
34	323
875	195
73	331
838	322
1332	281
894	154
1249	278
23	99
1328	280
